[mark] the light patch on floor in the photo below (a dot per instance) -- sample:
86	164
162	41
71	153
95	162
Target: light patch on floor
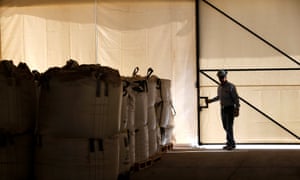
212	147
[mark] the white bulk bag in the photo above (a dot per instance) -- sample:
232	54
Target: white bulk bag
16	157
139	87
131	111
167	109
152	120
131	140
141	144
153	91
124	156
159	136
77	158
80	103
17	98
124	111
167	136
153	146
166	89
140	116
167	114
128	108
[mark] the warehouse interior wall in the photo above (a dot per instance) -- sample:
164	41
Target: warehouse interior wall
119	34
161	34
225	45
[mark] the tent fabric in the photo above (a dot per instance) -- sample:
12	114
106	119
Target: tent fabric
119	34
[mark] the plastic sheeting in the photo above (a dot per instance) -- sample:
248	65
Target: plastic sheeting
119	34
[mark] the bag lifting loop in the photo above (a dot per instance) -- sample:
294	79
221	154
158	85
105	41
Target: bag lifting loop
135	71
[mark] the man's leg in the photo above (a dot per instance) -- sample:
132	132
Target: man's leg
227	120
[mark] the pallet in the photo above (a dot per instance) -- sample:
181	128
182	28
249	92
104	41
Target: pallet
147	163
166	148
155	158
142	164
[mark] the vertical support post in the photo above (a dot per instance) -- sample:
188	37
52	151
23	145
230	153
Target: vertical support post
197	66
96	32
0	33
0	38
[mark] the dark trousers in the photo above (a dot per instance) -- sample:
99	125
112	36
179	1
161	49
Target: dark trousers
227	120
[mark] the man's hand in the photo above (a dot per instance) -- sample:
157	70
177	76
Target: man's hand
236	112
207	101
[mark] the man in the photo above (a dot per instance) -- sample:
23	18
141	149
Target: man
229	101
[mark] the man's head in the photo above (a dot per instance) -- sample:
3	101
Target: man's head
222	74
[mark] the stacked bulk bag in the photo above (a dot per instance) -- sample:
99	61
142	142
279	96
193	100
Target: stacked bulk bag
127	124
17	112
124	156
141	100
77	158
16	157
147	114
80	108
153	99
135	108
165	113
80	102
139	88
17	95
128	107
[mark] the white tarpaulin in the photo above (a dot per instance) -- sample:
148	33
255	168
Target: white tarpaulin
119	34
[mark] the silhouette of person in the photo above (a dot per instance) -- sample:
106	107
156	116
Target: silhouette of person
229	102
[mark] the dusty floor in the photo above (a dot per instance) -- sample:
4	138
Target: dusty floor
224	165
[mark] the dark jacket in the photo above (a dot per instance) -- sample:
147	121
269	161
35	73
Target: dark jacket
228	96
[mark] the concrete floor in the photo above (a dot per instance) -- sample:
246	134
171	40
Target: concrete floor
238	164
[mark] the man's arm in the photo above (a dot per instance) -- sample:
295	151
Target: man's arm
236	101
212	100
235	97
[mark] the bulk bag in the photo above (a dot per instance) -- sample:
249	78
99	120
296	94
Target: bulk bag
128	107
153	92
16	157
18	98
124	156
141	144
139	92
166	103
84	101
153	142
77	158
131	140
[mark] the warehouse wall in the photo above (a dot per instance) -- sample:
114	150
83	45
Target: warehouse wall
161	34
226	45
